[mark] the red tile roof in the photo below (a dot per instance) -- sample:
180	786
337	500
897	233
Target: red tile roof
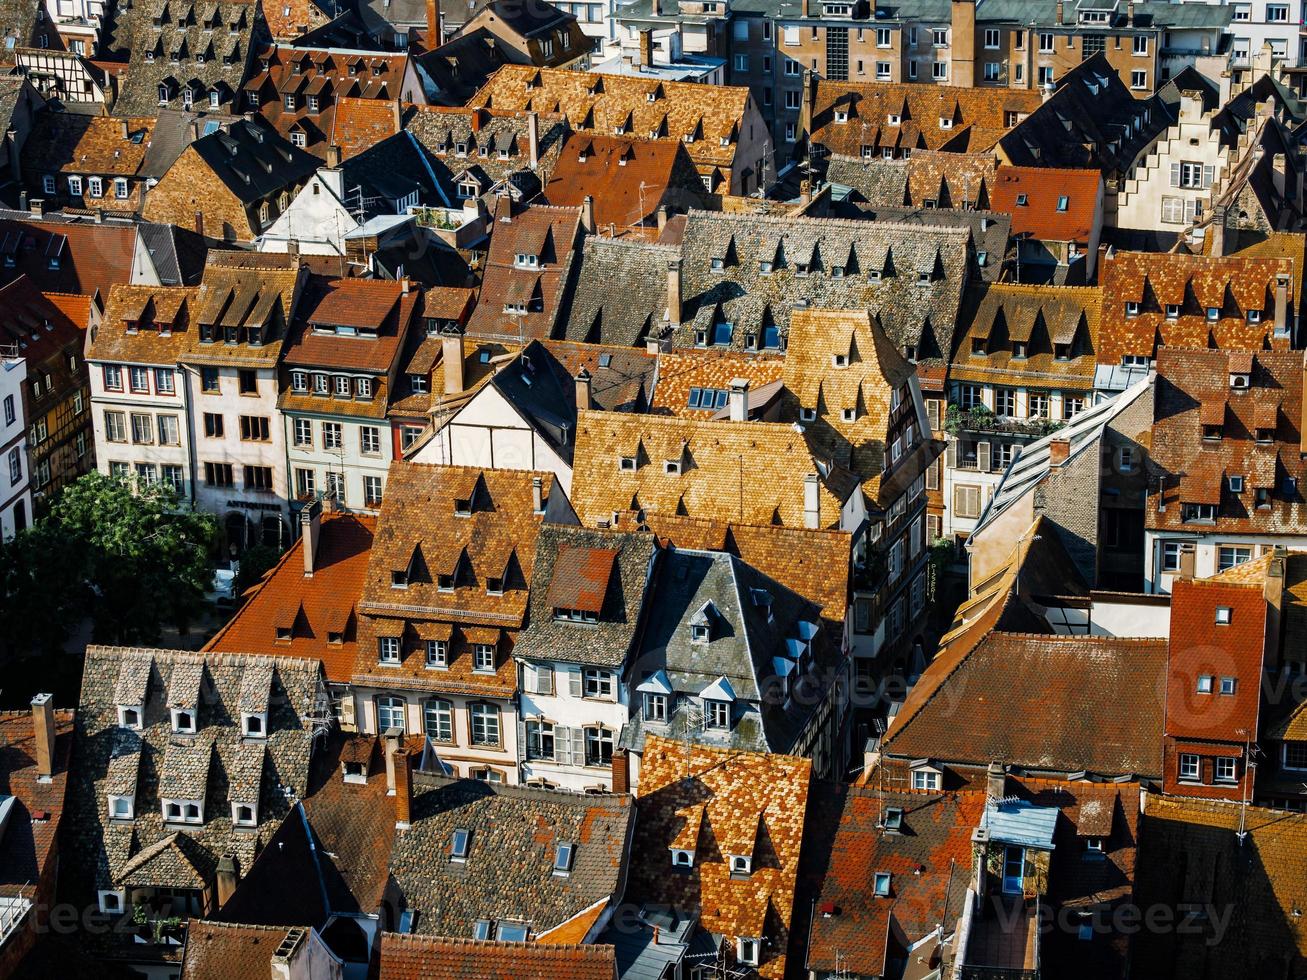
220	949
318	606
26	847
377	305
580	579
626	178
92	257
1152	281
41	323
360	124
1032	196
409	957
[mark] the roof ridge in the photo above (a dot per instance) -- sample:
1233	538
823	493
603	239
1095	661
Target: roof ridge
859	223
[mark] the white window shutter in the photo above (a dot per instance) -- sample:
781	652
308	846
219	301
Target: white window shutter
574	681
1190	209
1209	174
529	678
1175	175
544	679
983	456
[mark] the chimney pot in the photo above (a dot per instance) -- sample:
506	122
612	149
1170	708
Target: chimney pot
662	217
43	730
537	495
310	531
739	400
451	355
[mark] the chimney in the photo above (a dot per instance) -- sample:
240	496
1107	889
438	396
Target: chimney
588	215
126	129
333	156
398	112
476	119
451	354
1281	305
433	25
1130	13
811	502
656	8
1061	13
739	400
43	730
647	48
400	764
807	9
1187	554
662	217
227	879
963	43
11	153
293	250
310	531
38	207
621	771
199	223
1273	592
533	139
584	389
674	292
1059	450
537	495
392	740
996	781
99	216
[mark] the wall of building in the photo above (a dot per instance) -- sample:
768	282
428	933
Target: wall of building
570	712
15	494
140	459
1207	544
351	463
1154	195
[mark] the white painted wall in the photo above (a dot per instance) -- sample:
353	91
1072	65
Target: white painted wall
112	456
1191	140
316	219
1206	552
350	461
14	494
1112	617
567	711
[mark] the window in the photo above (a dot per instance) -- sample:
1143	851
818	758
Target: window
388	649
1138	79
302	432
390	713
991	38
372	491
655	707
458	848
792	98
1228	685
1228	556
1295	755
209	383
598	684
485	724
540	740
483	658
169	431
1277	13
370	440
926	779
939	37
254	428
598	746
746	951
939	71
882	37
880	884
332	435
1224	614
248	382
883	75
1226	767
75	186
1204	684
1189	767
563	853
115	427
142	429
990	71
172	476
438	720
1046	43
1140	44
717	714
139	379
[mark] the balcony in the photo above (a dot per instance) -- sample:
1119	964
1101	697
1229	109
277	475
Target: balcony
1002	941
983	420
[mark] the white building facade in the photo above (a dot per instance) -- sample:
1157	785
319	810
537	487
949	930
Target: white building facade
15	480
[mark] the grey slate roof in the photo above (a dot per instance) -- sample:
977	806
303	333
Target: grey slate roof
751	619
619	291
844	255
226	51
173	131
441	132
394	168
253	161
508	873
877	181
217	765
608	641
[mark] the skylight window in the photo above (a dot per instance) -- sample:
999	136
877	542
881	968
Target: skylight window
458	848
563	854
1022	200
1062	202
881	884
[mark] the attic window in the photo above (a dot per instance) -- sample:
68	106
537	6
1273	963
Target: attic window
1022	200
399	579
1062	202
698	633
1018	348
1062	352
718	263
945	122
1213	313
525	260
893	119
849	414
1172	311
129	716
765	267
254	724
1254	316
1239	380
741	864
839	360
458	847
445	583
1223	615
1132	310
463	507
672	467
807	415
243	815
563	854
874	275
894	818
880	885
183	722
682	859
841	116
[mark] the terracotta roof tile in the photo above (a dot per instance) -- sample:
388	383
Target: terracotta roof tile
146	324
406	957
219	949
321	605
1033	196
742	797
684	370
627	178
27	846
1235	286
359	124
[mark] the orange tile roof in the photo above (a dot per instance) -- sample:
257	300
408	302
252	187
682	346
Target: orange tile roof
1032	196
147	308
360	124
41	323
317	606
712	114
1234	285
226	949
627	178
684	369
746	797
381	307
27	846
409	957
978	117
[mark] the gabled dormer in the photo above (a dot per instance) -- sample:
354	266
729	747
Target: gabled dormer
132	691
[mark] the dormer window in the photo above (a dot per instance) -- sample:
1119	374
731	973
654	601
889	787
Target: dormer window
839	360
893	119
627	464
746	951
1212	432
1254	316
1239	380
978	346
399	579
244	815
483	658
807	415
494	586
672	467
717	714
122	807
893	821
945	122
765	267
183	811
699	632
1195	513
841	116
741	865
445	583
183	721
1172	311
1062	352
849	414
254	724
1018	349
1213	313
388	649
682	858
525	260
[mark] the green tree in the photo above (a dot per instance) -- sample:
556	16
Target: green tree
42	594
255	562
146	560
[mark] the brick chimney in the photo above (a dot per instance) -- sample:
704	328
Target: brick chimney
739	400
1187	556
674	292
451	356
1061	12
963	43
392	741
401	764
621	771
333	156
584	389
228	878
43	732
433	38
310	531
1059	450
